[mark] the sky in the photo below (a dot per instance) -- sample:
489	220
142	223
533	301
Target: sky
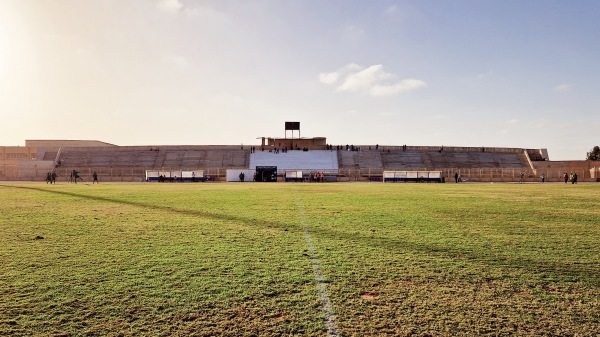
508	73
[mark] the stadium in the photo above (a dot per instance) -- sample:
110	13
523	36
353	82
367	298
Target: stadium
155	180
402	254
286	159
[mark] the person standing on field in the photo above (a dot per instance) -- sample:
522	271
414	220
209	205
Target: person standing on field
95	178
75	176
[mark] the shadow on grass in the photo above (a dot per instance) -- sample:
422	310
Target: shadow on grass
584	272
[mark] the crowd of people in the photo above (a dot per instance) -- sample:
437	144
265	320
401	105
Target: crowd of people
572	178
73	176
317	177
51	178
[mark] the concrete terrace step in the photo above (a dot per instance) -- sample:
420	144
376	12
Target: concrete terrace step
360	159
446	159
166	157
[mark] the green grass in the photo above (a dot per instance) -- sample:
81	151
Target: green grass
232	259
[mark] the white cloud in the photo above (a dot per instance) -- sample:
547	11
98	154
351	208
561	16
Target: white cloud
513	121
364	79
563	87
170	6
332	78
373	80
329	78
402	86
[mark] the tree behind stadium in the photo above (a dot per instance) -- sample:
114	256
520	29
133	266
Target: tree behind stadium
594	154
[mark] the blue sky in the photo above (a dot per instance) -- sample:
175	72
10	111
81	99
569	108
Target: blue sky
452	73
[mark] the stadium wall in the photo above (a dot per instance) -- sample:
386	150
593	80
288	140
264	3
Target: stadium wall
13	159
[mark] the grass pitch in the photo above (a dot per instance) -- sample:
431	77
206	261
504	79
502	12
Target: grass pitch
235	259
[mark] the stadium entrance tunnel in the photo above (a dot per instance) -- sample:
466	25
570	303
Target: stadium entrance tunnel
266	173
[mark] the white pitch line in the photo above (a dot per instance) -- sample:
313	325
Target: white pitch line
326	307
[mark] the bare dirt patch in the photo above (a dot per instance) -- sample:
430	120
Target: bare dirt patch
368	297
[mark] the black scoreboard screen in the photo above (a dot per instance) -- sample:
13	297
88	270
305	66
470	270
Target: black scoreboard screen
292	126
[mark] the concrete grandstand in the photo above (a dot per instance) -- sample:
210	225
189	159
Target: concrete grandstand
347	163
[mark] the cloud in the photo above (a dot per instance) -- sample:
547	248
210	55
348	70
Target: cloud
332	78
364	79
563	87
170	6
373	80
513	121
402	86
328	78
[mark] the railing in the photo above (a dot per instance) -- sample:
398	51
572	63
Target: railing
11	172
385	148
130	174
57	158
